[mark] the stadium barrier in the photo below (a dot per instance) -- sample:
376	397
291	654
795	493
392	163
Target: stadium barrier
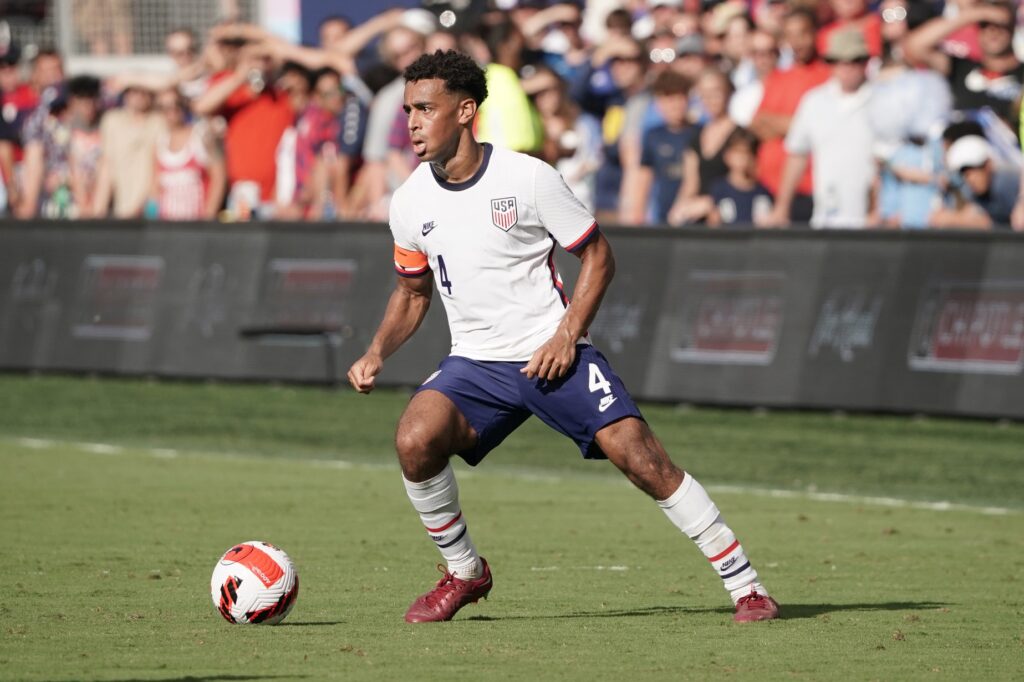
880	321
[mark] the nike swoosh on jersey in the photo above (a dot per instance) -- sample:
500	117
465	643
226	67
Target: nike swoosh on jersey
427	227
605	403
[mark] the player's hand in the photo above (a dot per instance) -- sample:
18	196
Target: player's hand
552	360
364	372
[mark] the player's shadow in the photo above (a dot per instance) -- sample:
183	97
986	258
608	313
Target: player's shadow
308	624
210	678
787	611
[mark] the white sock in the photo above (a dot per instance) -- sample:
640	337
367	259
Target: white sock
437	501
692	511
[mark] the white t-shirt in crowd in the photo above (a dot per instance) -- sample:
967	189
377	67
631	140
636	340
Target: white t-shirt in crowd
833	127
490	243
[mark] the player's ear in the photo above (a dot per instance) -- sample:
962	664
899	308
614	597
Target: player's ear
467	110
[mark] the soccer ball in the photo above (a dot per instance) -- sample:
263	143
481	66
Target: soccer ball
254	582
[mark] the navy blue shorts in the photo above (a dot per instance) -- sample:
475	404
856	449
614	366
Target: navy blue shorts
496	398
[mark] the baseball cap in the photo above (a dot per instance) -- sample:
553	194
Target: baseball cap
846	46
969	151
690	44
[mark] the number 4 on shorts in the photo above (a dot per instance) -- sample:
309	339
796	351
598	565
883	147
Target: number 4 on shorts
597	380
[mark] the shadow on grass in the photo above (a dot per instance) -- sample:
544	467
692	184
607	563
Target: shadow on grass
209	678
308	623
787	611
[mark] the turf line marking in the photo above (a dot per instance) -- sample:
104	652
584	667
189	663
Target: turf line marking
614	569
100	448
35	443
842	498
858	499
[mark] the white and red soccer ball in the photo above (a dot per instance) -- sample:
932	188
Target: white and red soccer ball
254	582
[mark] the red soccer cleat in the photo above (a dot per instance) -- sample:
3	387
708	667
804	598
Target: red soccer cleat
448	596
754	607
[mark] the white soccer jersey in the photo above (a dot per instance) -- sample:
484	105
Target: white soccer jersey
490	242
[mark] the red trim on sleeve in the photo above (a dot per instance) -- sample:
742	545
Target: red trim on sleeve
584	238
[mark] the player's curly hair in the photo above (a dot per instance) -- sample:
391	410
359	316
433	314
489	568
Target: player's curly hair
458	71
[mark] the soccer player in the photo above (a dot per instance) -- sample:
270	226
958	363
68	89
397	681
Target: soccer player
481	224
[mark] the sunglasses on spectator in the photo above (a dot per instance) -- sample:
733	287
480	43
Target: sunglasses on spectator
894	15
991	24
860	61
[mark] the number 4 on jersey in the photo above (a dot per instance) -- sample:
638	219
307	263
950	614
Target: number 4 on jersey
445	282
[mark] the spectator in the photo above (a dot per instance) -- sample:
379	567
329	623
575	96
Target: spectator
853	14
555	31
963	42
47	74
294	165
8	191
980	196
106	25
783	91
703	162
618	24
738	199
189	174
831	124
691	56
769	16
661	161
128	135
190	69
85	150
916	168
663	17
505	117
619	70
57	134
572	138
733	29
908	108
764	53
17	98
441	39
399	47
995	80
318	143
332	33
257	113
44	168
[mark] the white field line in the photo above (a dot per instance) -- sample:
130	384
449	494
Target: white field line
865	500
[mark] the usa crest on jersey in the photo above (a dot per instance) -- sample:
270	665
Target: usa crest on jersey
504	214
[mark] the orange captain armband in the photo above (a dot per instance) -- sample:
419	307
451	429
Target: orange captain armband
410	263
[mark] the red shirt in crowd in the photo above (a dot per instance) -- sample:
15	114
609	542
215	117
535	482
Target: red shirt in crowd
256	123
783	91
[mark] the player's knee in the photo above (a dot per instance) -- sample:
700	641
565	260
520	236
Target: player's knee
416	447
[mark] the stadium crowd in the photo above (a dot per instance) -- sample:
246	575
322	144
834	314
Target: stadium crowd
838	113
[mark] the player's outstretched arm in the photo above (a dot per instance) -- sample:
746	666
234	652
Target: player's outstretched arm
554	358
406	309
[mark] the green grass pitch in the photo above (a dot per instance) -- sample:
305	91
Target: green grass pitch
895	545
